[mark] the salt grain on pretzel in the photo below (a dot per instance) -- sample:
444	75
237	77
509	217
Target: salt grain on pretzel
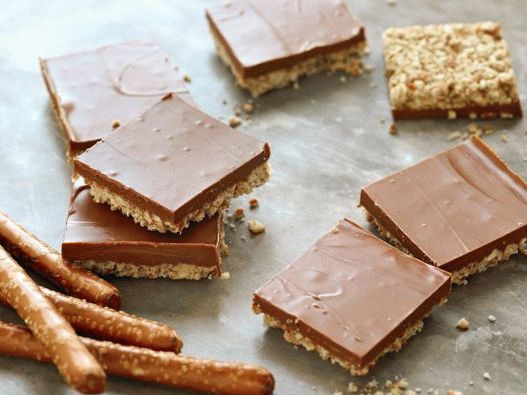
78	367
116	326
42	258
159	367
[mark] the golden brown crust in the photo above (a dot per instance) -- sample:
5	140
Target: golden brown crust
161	367
75	363
44	259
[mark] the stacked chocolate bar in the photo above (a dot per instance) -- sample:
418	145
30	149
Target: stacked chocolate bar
150	155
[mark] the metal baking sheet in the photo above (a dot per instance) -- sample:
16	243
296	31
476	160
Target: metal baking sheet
327	142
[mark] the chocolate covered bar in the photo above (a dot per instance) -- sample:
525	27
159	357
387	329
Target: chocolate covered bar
450	71
95	91
351	297
463	210
269	44
109	243
173	165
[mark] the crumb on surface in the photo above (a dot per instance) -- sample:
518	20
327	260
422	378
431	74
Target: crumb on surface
255	227
343	79
463	324
253	203
453	392
239	213
296	85
492	318
352	388
187	78
504	138
486	376
234	121
225	276
393	128
116	123
247	107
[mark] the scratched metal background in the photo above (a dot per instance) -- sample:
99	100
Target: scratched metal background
327	142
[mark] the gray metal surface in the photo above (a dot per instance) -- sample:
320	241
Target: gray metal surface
327	142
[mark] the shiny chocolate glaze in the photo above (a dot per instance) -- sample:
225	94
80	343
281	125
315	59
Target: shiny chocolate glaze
266	35
353	294
454	208
172	159
94	232
99	88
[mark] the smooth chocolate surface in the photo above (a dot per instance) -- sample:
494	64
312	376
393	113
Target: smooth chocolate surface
115	83
266	35
452	209
94	232
172	159
352	293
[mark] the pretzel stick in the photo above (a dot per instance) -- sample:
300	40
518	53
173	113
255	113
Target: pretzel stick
44	259
78	367
117	326
160	367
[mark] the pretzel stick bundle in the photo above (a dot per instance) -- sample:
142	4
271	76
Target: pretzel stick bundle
75	363
75	280
160	367
117	326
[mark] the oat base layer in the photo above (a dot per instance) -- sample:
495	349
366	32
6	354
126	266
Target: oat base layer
178	271
347	60
298	339
459	276
449	67
153	222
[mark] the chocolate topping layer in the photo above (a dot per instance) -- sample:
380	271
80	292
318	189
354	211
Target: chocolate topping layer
266	35
172	159
94	232
353	294
452	209
97	90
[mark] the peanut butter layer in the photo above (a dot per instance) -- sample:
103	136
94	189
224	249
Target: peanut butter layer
352	297
460	70
95	91
259	37
173	165
453	209
96	234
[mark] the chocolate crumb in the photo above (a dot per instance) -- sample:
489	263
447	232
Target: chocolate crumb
116	123
463	324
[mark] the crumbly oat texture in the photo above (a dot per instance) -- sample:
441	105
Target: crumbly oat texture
459	276
153	222
178	271
297	338
347	60
448	66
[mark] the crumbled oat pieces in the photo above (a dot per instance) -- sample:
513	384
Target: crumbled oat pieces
463	324
448	66
234	121
255	227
